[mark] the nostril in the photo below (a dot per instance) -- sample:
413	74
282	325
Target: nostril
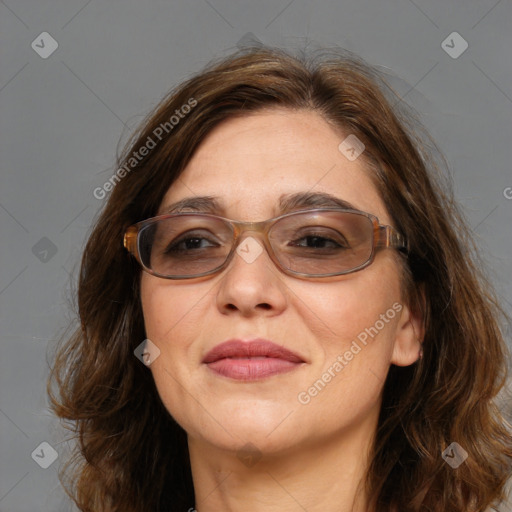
264	305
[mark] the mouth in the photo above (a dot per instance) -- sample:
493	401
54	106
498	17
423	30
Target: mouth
251	360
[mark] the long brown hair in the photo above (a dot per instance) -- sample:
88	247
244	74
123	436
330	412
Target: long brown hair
132	456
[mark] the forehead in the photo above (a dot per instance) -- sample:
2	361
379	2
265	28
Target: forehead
250	163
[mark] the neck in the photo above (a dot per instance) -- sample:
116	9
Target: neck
319	477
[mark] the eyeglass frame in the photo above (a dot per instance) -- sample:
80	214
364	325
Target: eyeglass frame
384	236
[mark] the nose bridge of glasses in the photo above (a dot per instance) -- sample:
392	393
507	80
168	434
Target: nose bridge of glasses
244	230
260	228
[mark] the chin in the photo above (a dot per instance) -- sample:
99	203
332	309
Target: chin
266	432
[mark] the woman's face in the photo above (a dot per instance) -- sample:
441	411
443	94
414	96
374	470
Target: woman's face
345	331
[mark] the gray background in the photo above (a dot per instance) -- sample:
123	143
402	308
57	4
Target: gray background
62	118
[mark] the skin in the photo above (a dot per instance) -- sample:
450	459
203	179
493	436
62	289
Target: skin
310	456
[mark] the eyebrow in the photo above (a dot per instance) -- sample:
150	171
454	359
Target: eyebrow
305	200
287	203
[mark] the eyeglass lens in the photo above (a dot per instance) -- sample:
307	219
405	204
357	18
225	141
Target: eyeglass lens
314	243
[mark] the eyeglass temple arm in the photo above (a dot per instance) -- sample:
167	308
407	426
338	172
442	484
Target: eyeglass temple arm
130	240
388	236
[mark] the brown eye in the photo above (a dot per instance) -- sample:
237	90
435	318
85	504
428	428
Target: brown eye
190	242
320	240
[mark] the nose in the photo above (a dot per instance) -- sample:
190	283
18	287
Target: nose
251	284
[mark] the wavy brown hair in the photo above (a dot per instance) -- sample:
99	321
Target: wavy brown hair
131	456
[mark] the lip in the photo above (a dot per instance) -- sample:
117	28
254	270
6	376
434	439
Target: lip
251	360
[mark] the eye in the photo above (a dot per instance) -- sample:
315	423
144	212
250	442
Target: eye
191	241
320	239
314	241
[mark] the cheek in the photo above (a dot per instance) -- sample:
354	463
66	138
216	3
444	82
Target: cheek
165	306
171	319
342	310
355	322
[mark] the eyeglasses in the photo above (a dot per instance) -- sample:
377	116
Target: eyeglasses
322	242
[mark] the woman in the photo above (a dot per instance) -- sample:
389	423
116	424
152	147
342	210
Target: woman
311	330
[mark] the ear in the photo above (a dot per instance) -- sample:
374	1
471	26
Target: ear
409	336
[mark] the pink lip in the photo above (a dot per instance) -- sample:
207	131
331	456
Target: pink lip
251	360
